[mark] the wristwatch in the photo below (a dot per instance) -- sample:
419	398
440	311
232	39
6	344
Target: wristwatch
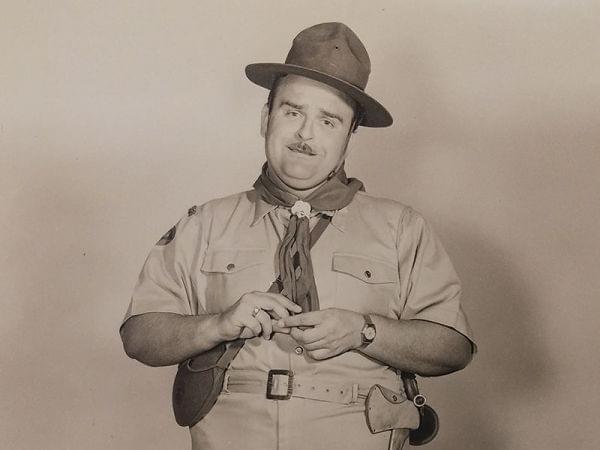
368	331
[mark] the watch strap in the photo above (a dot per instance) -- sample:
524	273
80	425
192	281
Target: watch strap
368	325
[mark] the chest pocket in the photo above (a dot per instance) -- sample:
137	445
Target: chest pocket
365	284
232	272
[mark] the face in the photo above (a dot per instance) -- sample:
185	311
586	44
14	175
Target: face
306	132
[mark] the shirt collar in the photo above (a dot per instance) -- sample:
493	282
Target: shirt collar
262	208
339	219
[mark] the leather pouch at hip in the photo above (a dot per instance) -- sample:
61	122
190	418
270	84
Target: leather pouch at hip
387	410
198	383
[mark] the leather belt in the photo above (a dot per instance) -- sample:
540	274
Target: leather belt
281	384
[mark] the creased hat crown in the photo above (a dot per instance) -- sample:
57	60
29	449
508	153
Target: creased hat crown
334	55
334	49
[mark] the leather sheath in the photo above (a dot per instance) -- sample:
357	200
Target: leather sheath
389	410
199	381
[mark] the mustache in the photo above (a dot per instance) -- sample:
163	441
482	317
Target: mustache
302	147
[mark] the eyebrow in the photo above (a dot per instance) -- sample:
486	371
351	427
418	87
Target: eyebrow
323	111
293	105
332	115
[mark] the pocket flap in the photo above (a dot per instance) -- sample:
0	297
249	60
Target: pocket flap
232	260
365	268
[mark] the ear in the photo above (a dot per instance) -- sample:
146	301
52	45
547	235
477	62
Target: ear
264	120
347	152
344	155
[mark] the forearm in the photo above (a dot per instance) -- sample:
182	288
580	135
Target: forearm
162	339
421	347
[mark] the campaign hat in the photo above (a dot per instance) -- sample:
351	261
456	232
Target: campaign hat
330	53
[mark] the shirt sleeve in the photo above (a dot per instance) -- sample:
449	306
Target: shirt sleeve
430	287
166	282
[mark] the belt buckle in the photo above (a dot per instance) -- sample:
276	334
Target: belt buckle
271	381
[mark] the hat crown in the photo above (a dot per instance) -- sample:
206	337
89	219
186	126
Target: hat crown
332	48
332	54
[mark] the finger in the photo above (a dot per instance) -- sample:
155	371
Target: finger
246	333
319	354
320	344
305	319
265	323
273	314
285	302
313	334
273	308
297	334
269	302
253	325
276	329
305	335
277	303
250	332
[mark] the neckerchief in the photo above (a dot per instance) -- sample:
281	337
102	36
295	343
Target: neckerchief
295	266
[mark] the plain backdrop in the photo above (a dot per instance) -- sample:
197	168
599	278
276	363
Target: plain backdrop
116	116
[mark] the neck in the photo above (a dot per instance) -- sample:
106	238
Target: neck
303	193
300	193
332	194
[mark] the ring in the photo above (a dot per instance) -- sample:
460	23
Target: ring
255	311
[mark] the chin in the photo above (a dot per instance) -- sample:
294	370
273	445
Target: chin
300	185
297	175
299	182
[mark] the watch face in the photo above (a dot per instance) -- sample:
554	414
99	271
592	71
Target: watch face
370	333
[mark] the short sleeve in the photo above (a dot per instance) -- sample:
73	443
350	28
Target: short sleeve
166	282
430	287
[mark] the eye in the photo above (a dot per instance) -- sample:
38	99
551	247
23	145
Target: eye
328	123
292	113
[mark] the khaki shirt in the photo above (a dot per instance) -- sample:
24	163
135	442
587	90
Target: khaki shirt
377	256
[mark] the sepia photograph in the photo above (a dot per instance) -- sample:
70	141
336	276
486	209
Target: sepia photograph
274	225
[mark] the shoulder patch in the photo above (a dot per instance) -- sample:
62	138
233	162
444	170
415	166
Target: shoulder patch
193	210
168	237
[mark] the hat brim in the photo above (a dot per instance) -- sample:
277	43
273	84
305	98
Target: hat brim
375	115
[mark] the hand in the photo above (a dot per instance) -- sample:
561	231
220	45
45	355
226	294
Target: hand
238	322
332	331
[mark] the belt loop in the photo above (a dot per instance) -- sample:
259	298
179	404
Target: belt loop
354	393
225	389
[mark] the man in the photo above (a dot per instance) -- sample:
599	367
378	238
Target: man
375	295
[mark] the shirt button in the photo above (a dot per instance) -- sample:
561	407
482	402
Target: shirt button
299	350
230	266
368	273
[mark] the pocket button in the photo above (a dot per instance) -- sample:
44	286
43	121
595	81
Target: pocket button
368	273
230	266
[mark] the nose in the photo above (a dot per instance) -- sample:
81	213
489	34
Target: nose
305	131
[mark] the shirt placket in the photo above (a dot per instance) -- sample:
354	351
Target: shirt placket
296	355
